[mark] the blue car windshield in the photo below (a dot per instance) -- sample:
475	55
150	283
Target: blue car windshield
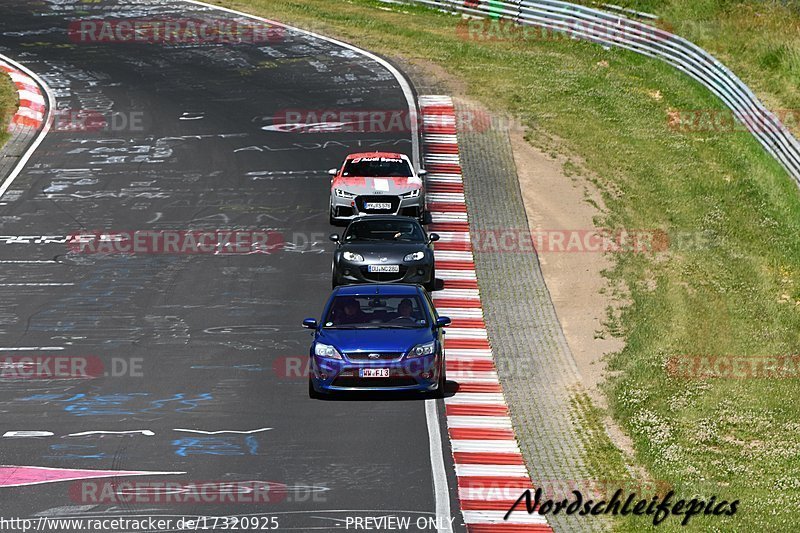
375	312
384	230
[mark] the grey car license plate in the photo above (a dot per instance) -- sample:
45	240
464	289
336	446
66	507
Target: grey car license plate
384	268
377	205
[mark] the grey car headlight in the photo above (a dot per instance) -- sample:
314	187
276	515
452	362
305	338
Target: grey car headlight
341	193
416	256
350	256
411	194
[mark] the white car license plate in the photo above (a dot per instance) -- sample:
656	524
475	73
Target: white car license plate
374	372
384	268
377	205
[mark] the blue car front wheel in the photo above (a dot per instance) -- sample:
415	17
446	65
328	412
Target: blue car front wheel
440	389
312	392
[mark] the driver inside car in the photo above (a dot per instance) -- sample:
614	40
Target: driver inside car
405	310
350	313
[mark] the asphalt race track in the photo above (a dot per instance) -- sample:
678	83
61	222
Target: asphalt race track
191	342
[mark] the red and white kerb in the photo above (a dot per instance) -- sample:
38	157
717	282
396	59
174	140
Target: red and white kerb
31	100
489	465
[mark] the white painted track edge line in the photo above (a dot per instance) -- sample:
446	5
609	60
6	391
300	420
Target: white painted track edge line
440	486
42	133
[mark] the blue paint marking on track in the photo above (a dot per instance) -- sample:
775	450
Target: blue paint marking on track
118	404
76	451
215	446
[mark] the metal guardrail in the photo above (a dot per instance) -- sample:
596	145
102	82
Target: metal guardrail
611	29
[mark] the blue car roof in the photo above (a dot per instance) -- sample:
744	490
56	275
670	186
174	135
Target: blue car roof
383	289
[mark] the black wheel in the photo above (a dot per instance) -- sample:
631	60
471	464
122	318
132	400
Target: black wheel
312	393
431	285
332	220
441	389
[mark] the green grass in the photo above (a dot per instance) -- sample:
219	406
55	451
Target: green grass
8	105
758	40
733	289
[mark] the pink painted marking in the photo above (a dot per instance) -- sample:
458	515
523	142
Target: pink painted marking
18	476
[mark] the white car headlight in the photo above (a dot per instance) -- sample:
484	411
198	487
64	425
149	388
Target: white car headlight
341	193
325	350
411	194
423	349
350	256
416	256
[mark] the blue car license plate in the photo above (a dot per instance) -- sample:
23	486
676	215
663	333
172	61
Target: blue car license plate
373	372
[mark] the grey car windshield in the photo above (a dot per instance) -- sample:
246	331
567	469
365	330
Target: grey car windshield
375	312
377	167
384	230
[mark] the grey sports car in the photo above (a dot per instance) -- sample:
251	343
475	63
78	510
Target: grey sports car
386	249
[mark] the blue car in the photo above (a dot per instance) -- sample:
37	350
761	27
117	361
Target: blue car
377	337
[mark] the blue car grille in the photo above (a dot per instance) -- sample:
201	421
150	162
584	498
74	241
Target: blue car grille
382	356
398	381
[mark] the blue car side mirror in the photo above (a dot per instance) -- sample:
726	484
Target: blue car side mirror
310	323
443	321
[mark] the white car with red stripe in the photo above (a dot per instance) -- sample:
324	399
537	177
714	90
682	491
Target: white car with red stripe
376	183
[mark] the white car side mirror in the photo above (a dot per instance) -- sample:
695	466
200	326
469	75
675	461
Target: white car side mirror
422	172
333	171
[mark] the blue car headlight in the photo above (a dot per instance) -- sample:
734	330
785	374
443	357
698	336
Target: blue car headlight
421	350
325	350
416	256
